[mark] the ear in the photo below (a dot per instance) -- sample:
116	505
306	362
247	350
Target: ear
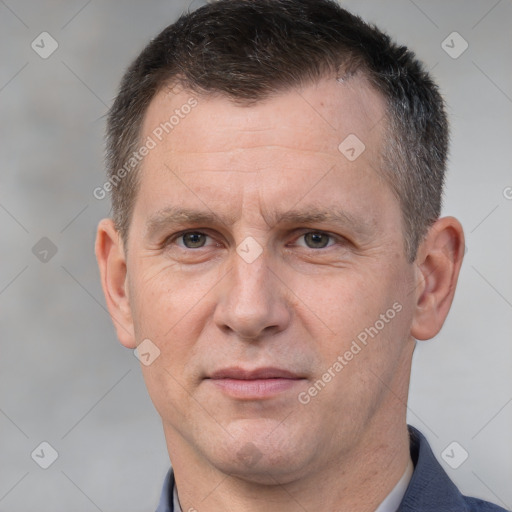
437	269
112	263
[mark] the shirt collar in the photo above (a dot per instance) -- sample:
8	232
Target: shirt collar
164	504
392	501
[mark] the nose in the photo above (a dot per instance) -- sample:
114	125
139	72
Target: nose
252	302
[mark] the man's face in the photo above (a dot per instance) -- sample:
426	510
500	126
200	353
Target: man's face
260	252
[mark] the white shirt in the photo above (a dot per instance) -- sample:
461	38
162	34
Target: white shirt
394	498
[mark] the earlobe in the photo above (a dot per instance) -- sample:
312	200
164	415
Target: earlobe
438	264
112	265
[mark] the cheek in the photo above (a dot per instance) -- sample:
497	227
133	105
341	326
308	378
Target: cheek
364	318
173	309
163	298
342	304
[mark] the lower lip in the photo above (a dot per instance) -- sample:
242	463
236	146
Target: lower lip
254	389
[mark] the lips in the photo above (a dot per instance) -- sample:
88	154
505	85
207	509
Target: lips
256	384
256	374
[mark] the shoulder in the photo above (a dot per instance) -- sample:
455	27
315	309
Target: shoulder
430	488
477	505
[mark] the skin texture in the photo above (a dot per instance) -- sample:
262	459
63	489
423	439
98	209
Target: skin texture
258	171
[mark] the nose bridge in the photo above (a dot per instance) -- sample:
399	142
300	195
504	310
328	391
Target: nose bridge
251	283
252	301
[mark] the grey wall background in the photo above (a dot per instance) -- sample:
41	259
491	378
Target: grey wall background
65	380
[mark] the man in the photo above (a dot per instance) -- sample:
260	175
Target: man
276	169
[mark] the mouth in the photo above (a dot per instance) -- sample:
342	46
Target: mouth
256	384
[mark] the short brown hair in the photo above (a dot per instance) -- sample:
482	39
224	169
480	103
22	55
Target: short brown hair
249	49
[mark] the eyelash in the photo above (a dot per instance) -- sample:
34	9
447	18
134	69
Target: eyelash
174	238
182	234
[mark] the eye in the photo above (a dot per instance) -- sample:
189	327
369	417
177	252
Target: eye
317	240
192	240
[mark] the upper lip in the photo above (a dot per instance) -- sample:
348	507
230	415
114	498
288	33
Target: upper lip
255	374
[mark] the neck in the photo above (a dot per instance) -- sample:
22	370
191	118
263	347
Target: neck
359	484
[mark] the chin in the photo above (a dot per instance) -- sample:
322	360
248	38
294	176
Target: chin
257	456
265	471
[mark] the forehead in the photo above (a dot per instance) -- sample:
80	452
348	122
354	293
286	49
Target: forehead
321	142
316	117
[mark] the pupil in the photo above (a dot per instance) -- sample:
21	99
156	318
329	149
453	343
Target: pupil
194	240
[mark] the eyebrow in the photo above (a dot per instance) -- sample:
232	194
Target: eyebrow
171	216
315	215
